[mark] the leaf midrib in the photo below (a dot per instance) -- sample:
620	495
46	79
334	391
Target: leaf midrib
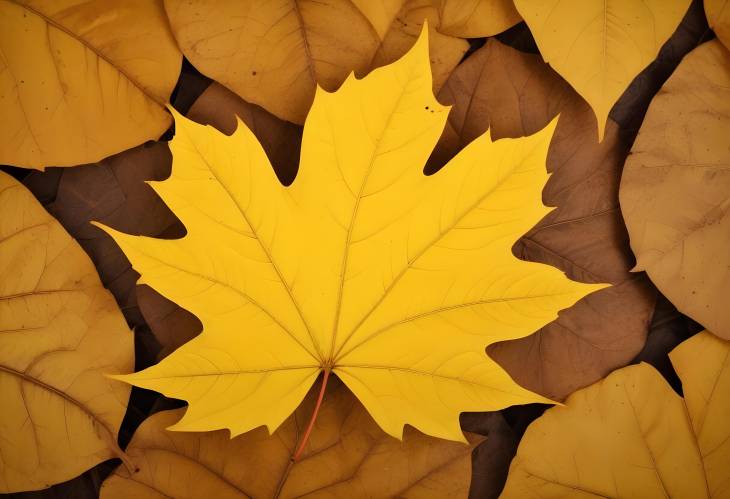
29	379
423	251
269	256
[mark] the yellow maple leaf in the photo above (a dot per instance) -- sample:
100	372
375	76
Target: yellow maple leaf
363	267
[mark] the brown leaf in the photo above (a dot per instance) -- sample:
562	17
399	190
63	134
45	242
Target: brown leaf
445	51
491	458
497	88
630	109
675	190
113	192
718	15
172	325
630	435
60	335
347	456
516	94
477	18
668	329
274	54
84	486
82	80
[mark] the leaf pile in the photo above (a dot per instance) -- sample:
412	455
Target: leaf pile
348	221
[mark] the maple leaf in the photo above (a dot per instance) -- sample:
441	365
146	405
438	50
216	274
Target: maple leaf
364	267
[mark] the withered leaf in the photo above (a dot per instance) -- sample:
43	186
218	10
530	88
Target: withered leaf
113	191
675	191
60	334
348	455
275	53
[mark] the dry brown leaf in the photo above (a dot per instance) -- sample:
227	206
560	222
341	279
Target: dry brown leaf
380	13
445	51
272	54
630	109
477	18
491	458
501	89
514	94
668	329
60	333
348	455
80	81
171	325
630	435
112	191
675	191
718	15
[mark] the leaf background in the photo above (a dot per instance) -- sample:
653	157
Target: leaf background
491	459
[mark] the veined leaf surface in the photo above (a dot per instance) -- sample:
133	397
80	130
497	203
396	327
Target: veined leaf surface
80	81
631	435
60	333
599	46
393	280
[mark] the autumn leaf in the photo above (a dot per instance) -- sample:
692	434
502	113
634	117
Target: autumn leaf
516	94
477	18
274	54
675	186
173	326
60	332
363	267
81	81
490	459
281	140
112	191
599	46
347	456
500	89
630	435
445	51
718	16
668	329
630	109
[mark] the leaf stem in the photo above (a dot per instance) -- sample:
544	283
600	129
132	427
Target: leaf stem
305	438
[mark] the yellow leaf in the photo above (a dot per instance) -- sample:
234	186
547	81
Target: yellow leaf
80	81
718	16
60	332
477	18
675	188
275	53
348	456
599	46
393	280
631	435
